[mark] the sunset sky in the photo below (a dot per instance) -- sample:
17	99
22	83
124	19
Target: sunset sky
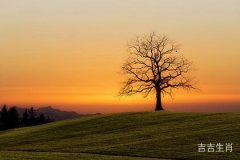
68	53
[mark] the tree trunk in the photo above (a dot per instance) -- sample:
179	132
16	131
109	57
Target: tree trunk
159	101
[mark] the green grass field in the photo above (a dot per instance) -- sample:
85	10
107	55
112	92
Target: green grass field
128	136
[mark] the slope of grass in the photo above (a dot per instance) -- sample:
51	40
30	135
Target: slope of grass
17	155
131	135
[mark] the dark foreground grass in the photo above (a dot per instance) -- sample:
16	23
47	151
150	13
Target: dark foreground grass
16	155
132	135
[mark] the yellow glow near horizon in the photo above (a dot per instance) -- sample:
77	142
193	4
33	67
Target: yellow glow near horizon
69	52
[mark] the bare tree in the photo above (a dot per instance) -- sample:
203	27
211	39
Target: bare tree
155	66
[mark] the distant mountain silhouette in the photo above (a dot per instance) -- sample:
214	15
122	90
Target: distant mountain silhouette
52	113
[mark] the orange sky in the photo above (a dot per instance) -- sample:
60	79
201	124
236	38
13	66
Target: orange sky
67	53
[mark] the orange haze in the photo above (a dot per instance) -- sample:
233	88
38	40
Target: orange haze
67	53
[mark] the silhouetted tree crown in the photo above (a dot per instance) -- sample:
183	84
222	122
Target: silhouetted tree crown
4	117
32	116
41	119
155	66
13	118
10	118
25	118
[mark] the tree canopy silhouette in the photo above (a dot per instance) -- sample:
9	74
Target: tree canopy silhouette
4	118
155	66
11	119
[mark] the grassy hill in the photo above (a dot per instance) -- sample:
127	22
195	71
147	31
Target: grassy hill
129	136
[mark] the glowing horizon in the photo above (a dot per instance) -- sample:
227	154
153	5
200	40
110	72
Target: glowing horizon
68	53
